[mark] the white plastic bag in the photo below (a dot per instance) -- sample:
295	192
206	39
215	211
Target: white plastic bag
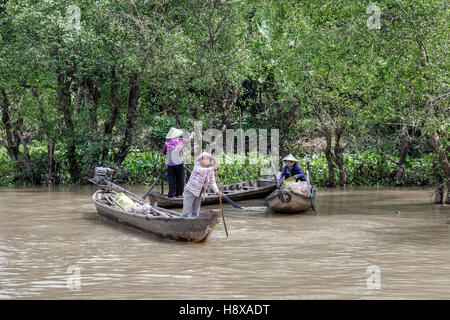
298	187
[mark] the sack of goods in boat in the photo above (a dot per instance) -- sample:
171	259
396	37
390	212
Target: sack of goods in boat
144	209
124	201
298	187
128	204
101	174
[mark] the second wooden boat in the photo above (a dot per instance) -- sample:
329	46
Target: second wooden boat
288	201
237	191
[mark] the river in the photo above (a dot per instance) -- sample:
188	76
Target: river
53	245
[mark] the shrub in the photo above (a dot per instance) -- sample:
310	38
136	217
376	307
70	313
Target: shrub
367	167
143	166
236	167
8	170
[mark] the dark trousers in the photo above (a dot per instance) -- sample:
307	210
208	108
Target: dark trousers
176	180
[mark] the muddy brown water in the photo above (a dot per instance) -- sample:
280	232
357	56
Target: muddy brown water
53	245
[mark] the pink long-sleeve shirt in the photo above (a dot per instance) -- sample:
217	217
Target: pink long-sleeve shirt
201	178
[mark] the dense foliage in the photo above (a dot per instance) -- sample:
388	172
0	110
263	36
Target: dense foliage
360	88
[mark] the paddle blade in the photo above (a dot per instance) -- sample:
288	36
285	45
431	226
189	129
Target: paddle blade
234	204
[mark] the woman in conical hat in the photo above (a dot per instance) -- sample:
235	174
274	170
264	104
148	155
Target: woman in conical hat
291	169
173	149
202	177
207	155
174	133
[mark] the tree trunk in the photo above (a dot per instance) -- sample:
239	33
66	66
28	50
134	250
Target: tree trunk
92	94
328	154
19	137
177	118
194	111
439	192
339	157
12	140
443	160
109	124
133	98
64	103
93	97
52	177
439	196
77	102
401	163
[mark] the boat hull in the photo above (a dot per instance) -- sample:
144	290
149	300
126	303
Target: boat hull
174	228
265	187
289	202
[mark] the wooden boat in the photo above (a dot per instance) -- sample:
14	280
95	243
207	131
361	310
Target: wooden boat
293	196
162	222
288	201
237	191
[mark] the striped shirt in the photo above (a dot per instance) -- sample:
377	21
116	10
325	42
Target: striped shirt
201	178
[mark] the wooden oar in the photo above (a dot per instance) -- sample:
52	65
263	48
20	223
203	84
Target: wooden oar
120	189
308	180
234	204
188	170
165	214
154	184
115	187
115	202
273	173
220	202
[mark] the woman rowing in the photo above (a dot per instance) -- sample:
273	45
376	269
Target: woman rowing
202	177
291	169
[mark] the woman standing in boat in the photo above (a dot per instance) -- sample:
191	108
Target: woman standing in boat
202	177
173	149
291	169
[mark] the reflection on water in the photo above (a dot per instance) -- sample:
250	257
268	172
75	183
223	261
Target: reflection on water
46	234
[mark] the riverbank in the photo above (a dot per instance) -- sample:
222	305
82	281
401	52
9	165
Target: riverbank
364	168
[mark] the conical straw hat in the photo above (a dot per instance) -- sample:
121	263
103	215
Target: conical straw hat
205	154
174	133
290	157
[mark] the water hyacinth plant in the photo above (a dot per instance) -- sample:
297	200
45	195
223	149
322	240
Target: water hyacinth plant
143	166
240	167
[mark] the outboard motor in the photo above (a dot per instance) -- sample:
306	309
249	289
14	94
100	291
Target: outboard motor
102	174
